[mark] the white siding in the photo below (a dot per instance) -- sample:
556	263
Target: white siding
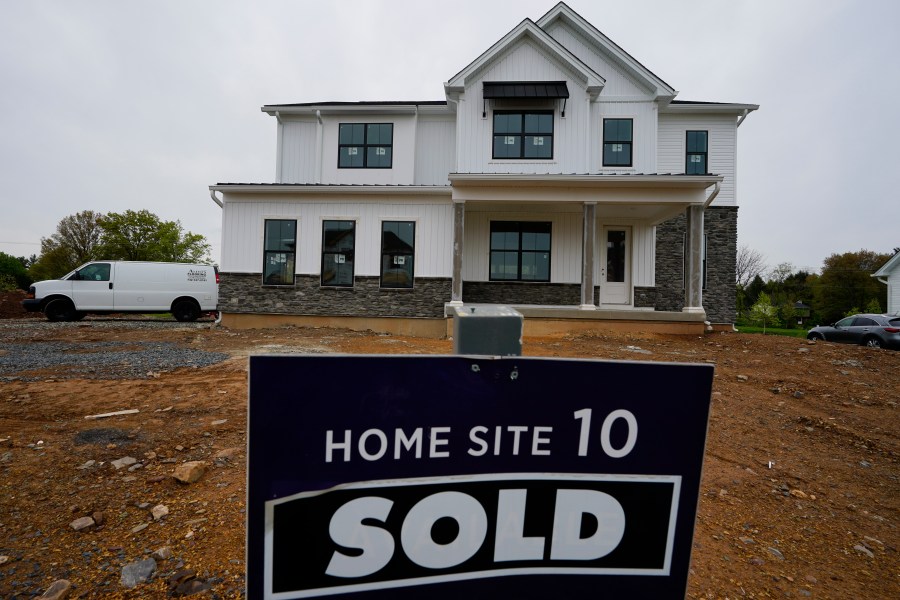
403	151
643	251
565	240
644	134
893	303
721	151
618	83
298	152
243	218
435	150
523	62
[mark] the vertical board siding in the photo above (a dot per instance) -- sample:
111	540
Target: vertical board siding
644	135
565	240
721	151
617	82
298	152
435	150
893	302
402	152
523	62
642	251
242	232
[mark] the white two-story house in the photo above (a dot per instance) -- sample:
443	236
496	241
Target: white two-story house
559	176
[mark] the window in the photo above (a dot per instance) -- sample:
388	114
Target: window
398	245
695	160
279	249
520	251
617	139
365	145
338	244
94	272
523	134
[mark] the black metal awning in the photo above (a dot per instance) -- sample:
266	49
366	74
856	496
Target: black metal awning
518	90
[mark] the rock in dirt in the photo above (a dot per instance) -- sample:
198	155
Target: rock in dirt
125	461
189	472
58	590
863	550
164	553
82	523
159	511
137	572
98	517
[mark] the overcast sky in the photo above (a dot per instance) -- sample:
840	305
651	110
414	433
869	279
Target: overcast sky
111	105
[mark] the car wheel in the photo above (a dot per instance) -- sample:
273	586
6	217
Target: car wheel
872	342
60	309
186	310
817	337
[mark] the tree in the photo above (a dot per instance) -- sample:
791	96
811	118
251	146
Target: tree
75	242
846	283
13	273
750	263
763	312
141	235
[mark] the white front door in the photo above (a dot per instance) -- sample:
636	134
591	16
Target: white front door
615	265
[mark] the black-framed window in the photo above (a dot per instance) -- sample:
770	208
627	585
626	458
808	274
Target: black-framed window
398	250
279	251
338	250
618	136
520	251
523	134
365	145
696	144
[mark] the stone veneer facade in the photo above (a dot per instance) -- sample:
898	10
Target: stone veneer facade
244	293
719	295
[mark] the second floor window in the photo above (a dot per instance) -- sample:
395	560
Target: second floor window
617	141
523	134
338	251
365	145
279	251
520	251
695	160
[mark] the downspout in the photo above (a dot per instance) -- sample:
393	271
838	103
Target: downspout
212	194
712	196
320	139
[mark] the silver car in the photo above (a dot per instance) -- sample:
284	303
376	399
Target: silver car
874	331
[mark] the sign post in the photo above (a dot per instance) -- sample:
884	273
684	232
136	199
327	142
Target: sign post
396	477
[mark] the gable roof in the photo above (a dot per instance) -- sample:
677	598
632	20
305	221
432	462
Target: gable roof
526	30
887	267
561	12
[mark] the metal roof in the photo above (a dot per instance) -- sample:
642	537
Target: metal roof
525	89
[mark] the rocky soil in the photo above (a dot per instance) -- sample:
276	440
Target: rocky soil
799	495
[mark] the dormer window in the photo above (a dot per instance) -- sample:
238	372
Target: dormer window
523	134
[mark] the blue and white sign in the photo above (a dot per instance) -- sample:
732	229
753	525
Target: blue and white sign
396	477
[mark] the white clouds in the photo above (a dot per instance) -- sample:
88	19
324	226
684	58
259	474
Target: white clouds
111	105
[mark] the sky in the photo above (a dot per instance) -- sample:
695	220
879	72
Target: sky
111	105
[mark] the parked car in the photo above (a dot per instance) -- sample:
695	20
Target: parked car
185	290
875	331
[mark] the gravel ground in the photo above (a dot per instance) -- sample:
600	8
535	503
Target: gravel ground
25	360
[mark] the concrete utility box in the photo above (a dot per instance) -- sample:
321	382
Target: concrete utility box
492	330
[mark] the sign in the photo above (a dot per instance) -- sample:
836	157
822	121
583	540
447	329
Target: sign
397	477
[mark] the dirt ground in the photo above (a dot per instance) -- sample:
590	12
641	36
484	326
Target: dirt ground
799	495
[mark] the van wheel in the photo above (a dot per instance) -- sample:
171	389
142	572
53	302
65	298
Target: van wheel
186	310
60	309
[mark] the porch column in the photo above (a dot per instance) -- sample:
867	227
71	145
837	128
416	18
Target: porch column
693	263
459	224
587	256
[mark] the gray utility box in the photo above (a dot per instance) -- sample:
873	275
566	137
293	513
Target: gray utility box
492	330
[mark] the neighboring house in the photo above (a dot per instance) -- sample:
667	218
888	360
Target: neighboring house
889	274
559	176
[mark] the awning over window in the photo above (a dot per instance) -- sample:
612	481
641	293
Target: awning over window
516	90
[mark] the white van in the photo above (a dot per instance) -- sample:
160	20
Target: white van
185	290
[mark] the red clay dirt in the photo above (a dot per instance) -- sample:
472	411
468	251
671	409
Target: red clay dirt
799	496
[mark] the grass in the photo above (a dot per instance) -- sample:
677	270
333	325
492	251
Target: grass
798	333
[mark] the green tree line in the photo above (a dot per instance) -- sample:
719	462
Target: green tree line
89	235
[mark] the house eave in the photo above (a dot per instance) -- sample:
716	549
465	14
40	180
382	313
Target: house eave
585	180
708	108
342	189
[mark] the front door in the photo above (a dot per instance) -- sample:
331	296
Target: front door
615	265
